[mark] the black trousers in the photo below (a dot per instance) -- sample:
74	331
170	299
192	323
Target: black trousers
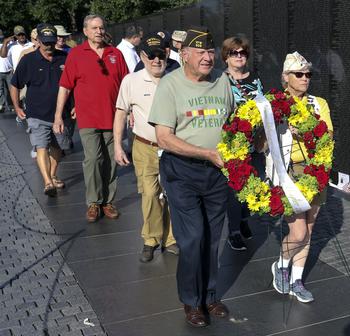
197	194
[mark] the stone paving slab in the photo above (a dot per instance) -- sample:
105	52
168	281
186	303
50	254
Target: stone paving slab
39	294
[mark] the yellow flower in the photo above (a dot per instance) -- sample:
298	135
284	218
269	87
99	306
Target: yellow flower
240	152
250	112
224	151
324	155
299	114
308	193
252	203
265	200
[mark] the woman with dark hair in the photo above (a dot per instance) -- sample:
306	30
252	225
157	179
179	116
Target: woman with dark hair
245	85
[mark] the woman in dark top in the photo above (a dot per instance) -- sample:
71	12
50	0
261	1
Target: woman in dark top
245	85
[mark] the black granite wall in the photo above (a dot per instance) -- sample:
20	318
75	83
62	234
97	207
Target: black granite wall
318	29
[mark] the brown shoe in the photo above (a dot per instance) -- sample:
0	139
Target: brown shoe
93	213
195	316
217	309
110	211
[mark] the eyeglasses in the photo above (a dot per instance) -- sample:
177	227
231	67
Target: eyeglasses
301	74
152	55
103	66
235	53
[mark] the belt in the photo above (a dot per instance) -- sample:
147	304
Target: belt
205	163
145	141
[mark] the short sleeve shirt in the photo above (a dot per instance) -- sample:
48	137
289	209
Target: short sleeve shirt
15	51
196	111
96	83
136	95
41	78
130	55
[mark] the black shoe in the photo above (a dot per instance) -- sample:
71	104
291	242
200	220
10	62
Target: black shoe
147	253
245	230
236	243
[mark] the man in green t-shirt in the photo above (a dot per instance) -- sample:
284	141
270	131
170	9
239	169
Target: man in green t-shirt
189	108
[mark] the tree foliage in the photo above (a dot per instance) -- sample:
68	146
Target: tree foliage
124	10
70	13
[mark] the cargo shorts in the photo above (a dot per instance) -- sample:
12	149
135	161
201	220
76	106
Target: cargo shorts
41	135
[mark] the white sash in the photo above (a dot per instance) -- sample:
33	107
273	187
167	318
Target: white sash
294	195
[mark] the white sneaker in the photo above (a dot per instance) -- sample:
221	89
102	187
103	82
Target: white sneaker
33	154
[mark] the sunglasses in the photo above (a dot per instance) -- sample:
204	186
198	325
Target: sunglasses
103	66
152	55
235	53
302	74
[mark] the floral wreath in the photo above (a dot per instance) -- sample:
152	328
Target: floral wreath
237	139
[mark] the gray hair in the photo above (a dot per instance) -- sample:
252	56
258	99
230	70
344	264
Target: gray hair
91	17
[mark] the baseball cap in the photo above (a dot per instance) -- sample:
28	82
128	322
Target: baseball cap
18	30
295	62
199	37
61	31
46	33
179	35
166	37
152	43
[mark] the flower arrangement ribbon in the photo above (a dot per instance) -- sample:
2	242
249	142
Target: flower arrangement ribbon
294	195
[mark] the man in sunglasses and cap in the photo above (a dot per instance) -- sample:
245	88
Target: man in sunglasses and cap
41	71
136	95
189	108
14	45
94	70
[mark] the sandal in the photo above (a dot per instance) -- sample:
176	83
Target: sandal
50	190
59	184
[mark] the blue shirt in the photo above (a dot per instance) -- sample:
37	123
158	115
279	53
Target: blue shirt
41	77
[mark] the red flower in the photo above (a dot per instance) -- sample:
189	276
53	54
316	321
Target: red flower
320	173
291	101
310	145
320	129
239	172
277	190
280	95
273	91
308	136
276	205
244	126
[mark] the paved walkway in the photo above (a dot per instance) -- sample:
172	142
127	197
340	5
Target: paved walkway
61	276
39	292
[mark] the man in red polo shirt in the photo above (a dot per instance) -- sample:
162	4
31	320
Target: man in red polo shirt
94	70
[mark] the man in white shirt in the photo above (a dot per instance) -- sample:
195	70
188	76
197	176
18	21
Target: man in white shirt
133	37
13	50
5	79
136	94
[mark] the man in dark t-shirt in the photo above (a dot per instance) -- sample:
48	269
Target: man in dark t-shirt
41	71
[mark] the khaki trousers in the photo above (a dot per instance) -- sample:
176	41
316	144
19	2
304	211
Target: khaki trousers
156	227
99	166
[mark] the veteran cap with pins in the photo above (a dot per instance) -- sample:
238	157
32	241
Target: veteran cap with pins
199	37
47	33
